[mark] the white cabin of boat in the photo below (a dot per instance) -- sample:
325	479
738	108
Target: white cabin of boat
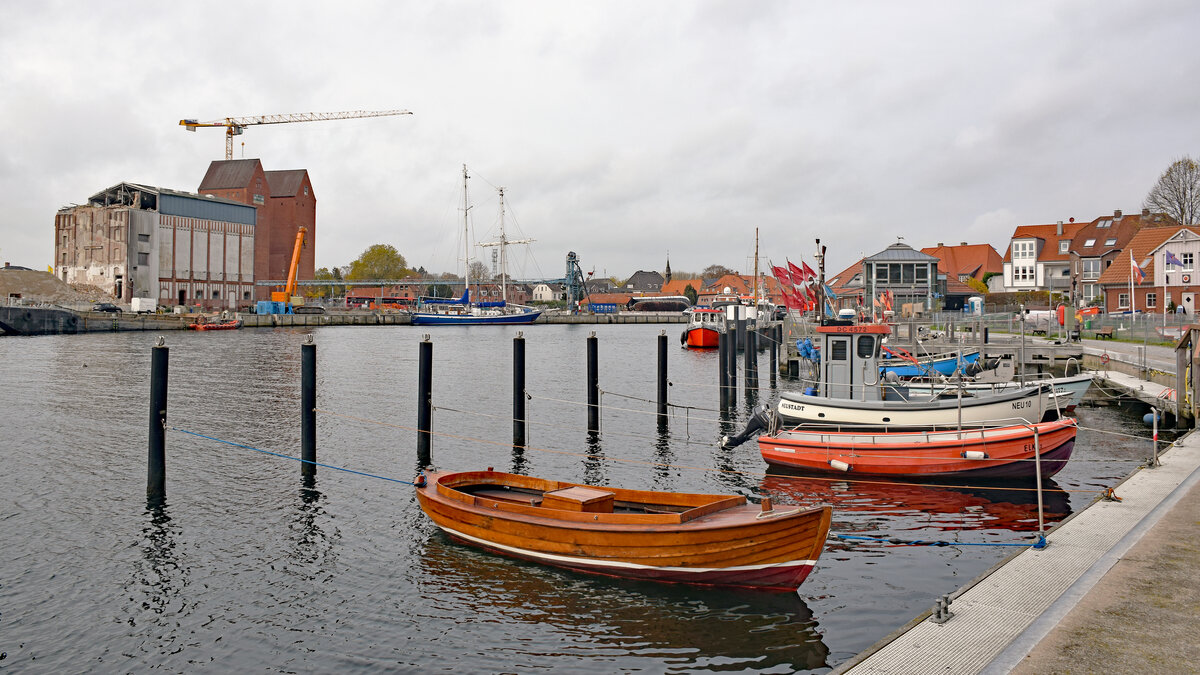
850	360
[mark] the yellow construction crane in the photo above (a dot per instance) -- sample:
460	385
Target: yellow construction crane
234	126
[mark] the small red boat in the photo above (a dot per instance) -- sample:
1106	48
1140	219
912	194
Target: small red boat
717	540
704	328
231	324
982	451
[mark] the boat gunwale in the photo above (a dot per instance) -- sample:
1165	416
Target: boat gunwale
705	505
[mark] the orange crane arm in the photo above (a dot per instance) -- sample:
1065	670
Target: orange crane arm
293	270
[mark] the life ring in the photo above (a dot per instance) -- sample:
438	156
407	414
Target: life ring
1104	358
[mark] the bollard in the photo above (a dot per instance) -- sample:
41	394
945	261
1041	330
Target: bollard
308	408
773	344
156	466
662	376
593	383
723	367
425	403
519	389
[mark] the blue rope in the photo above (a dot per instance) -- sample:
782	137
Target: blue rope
1039	544
298	459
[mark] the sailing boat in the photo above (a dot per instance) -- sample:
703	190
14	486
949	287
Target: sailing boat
464	311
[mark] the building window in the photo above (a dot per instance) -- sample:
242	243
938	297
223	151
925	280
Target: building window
1091	292
143	258
1186	259
1089	243
1151	300
1107	222
144	238
1022	249
1122	300
246	295
1064	245
1090	268
1110	242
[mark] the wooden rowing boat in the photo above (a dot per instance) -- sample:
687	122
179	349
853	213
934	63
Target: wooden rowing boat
992	452
718	540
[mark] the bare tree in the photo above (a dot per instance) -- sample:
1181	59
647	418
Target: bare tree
1177	192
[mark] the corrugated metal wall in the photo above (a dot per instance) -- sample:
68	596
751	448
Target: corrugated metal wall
206	209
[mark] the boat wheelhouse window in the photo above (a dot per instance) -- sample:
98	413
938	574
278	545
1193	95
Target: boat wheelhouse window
839	350
866	346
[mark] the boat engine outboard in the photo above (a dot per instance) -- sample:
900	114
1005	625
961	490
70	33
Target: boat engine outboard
760	420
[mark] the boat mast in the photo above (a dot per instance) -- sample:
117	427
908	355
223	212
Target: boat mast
756	298
503	253
466	238
503	243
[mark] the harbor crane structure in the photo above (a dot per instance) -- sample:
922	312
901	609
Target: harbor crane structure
235	126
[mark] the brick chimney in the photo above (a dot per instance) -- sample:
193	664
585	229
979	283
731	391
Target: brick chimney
1117	214
940	244
1145	213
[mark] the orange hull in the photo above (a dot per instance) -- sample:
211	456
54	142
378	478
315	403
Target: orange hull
703	338
993	452
663	536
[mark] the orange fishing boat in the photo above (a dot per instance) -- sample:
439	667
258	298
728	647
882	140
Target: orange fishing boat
982	451
718	540
704	328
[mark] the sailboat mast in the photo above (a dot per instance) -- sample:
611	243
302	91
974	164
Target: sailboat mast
756	298
503	253
466	238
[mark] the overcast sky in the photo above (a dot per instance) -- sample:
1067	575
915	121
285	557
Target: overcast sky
623	131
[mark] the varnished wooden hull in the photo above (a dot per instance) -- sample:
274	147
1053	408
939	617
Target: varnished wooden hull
714	539
998	452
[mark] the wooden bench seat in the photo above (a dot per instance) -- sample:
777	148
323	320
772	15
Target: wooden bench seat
509	496
1105	333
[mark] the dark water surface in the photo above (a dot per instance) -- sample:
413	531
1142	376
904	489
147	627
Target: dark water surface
245	569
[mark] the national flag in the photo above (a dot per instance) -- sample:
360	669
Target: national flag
1172	260
1135	271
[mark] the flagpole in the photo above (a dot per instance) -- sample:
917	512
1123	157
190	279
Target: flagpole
1131	264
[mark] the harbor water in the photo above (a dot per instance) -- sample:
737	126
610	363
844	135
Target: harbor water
245	568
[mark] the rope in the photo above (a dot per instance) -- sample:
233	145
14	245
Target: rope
1039	544
298	459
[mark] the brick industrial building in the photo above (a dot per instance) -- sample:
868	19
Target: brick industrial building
208	249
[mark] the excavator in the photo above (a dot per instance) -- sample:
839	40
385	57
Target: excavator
285	301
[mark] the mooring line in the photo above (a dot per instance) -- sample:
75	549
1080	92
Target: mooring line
1039	544
298	459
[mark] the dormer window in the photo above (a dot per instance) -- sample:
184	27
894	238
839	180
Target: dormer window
1064	245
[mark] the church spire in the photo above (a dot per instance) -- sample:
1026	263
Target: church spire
667	273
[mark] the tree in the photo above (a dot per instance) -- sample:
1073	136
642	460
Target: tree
480	272
1177	192
716	271
381	261
332	290
691	293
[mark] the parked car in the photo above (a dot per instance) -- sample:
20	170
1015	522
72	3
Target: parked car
105	307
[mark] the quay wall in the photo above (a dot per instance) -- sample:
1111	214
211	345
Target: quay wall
52	321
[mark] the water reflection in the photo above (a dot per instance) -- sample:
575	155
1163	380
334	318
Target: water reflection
593	464
311	548
664	457
156	587
907	506
676	625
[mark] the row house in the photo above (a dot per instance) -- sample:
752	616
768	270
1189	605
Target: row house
1166	256
1072	256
